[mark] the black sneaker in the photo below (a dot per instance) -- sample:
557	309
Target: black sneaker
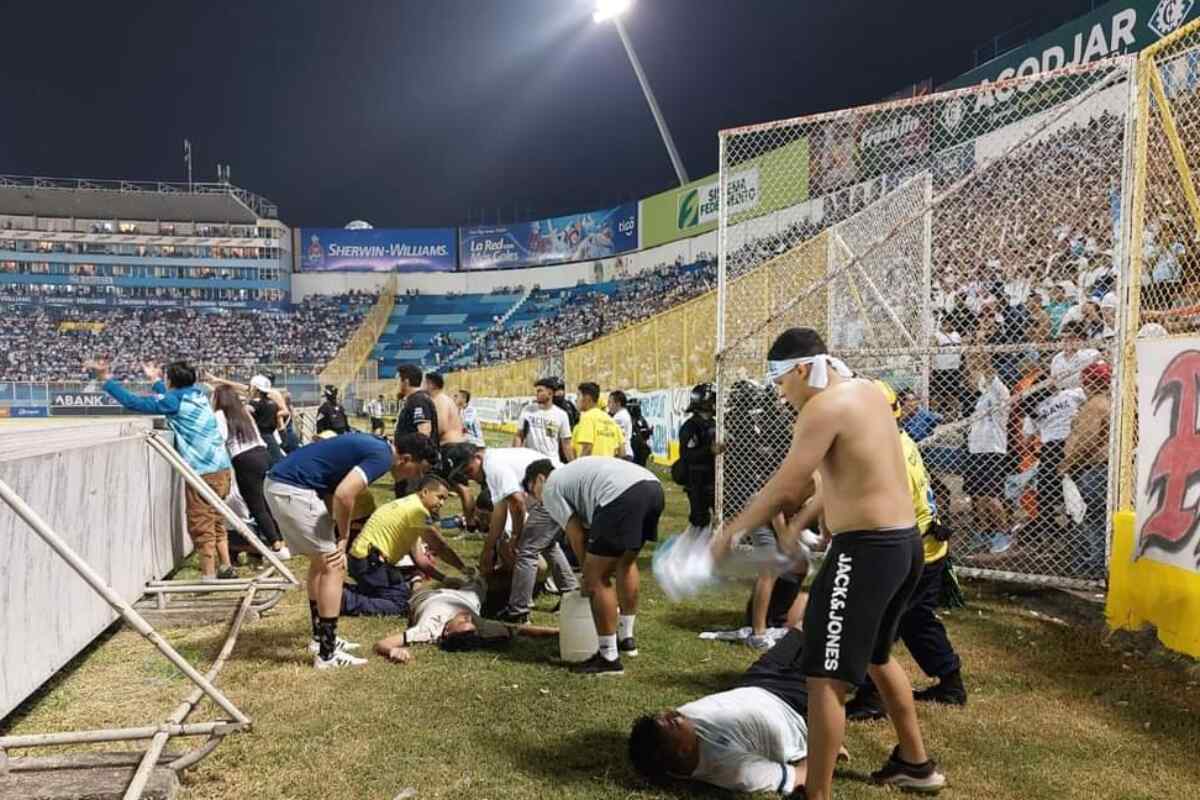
507	615
227	573
864	707
913	777
949	690
598	665
627	647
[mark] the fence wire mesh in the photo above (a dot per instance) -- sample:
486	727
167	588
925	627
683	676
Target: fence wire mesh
965	247
1164	298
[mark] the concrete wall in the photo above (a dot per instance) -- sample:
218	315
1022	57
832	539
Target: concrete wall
115	502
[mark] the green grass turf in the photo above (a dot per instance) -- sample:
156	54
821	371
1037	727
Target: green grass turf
1056	710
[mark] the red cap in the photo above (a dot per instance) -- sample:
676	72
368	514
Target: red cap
1098	374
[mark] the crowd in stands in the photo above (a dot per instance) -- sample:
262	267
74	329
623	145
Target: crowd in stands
587	313
36	345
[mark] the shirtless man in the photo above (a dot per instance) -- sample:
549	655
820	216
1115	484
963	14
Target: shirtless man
845	432
450	425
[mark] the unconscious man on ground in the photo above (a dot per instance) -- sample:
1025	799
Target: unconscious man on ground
751	738
449	614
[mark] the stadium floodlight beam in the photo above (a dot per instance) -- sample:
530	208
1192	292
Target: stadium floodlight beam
607	10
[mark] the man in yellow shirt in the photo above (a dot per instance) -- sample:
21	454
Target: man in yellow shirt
397	529
597	434
922	632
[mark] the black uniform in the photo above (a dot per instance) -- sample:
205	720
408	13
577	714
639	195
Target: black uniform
571	409
697	436
418	408
332	417
642	434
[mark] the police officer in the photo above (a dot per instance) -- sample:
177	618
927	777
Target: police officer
331	416
642	433
698	450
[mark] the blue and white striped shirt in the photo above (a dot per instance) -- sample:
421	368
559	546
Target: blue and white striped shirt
197	436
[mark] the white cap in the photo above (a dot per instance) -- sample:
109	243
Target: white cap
1109	300
261	382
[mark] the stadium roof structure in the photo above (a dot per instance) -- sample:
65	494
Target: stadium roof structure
84	198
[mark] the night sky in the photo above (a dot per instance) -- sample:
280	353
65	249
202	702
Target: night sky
433	112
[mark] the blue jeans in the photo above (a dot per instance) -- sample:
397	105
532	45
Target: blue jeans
1092	533
379	589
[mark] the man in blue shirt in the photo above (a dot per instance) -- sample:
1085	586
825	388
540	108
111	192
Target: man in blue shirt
200	444
917	422
312	493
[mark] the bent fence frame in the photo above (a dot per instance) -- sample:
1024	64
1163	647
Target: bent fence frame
204	686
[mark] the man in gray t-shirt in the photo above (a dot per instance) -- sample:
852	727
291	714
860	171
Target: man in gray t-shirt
609	509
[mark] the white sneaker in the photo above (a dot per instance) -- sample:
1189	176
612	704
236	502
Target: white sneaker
340	658
341	645
283	554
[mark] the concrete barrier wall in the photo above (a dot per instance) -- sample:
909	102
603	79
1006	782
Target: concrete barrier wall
116	503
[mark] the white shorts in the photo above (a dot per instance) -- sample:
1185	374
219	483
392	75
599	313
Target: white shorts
305	522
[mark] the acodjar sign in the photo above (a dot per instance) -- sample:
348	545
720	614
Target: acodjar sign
1115	28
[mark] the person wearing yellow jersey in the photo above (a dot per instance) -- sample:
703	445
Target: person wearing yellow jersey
395	530
920	629
597	434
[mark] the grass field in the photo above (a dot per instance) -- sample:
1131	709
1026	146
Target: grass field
1056	711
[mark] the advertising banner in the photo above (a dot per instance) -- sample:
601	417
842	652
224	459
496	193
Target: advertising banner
137	302
83	403
1154	569
1168	454
574	237
1115	28
377	250
753	188
25	412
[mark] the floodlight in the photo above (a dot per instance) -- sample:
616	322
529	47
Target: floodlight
610	9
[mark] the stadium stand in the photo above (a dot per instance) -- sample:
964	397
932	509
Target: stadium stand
52	344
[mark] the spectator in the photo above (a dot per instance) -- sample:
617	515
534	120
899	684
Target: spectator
916	421
1085	460
617	403
946	378
201	445
470	418
1067	366
988	463
267	416
248	454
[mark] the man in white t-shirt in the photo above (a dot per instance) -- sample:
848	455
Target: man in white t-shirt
988	463
751	738
545	427
501	470
620	414
1067	367
449	614
470	418
1050	421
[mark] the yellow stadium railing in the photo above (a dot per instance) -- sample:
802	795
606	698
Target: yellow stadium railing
674	348
344	367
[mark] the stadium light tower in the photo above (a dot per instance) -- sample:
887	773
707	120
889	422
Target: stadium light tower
607	10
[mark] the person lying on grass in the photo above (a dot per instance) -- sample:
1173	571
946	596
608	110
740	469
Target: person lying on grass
751	738
448	614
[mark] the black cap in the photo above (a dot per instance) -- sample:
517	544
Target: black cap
550	382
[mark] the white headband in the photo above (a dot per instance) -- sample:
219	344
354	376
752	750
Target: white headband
818	376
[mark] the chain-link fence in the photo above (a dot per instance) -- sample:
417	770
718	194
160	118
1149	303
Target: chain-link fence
966	248
1164	234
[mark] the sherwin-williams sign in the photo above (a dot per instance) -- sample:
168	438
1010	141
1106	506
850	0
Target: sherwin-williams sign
769	182
1115	28
377	250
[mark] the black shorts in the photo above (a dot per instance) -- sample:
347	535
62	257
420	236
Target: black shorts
628	522
857	600
985	474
